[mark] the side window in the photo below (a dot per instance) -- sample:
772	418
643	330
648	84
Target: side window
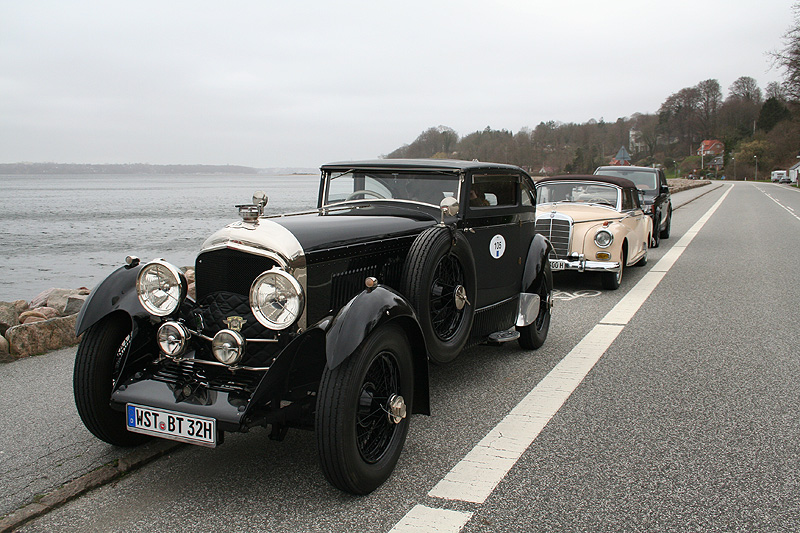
493	190
528	193
628	202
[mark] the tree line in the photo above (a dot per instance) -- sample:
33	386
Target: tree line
760	129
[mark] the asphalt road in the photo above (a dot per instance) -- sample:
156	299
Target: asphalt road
686	423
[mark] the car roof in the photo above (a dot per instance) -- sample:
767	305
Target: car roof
455	165
600	178
624	168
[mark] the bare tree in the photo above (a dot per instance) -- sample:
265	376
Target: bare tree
710	101
789	57
745	89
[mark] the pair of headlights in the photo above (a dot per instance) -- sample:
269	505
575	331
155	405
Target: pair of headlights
276	297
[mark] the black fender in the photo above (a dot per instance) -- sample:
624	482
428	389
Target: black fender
538	251
367	311
115	293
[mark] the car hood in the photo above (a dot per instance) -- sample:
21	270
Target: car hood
579	212
293	237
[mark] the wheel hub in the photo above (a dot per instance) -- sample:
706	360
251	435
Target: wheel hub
460	296
396	408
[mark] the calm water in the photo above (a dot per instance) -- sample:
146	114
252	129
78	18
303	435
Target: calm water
72	231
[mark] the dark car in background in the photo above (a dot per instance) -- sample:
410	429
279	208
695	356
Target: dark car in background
323	320
657	199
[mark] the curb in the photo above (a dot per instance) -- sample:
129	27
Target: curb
87	482
698	196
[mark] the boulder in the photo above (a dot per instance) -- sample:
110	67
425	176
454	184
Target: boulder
9	316
5	357
74	304
33	313
42	336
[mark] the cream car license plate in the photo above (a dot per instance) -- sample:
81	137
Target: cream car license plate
171	425
557	264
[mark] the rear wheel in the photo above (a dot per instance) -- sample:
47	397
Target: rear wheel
533	335
363	410
664	234
97	363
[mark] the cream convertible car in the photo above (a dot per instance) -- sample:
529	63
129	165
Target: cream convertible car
595	224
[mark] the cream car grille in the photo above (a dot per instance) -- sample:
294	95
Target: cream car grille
558	230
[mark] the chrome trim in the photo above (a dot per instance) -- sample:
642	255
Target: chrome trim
528	309
267	239
209	339
192	360
582	265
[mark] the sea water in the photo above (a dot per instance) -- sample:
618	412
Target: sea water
71	231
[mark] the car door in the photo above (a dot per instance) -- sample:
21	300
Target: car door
494	229
636	223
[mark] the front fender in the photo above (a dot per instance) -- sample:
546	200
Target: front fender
538	251
115	293
367	311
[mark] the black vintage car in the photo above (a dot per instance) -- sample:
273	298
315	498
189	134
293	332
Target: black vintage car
322	320
657	199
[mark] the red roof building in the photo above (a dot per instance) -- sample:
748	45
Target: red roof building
711	147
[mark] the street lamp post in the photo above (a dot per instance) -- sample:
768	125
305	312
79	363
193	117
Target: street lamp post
756	157
734	166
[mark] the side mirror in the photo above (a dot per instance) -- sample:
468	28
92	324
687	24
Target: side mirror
665	189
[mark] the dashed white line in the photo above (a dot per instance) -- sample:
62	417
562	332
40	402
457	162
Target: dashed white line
474	478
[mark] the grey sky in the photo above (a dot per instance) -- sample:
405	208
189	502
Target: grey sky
278	84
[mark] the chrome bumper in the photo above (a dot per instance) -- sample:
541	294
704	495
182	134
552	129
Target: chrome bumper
582	265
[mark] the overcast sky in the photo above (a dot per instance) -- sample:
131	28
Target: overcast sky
300	83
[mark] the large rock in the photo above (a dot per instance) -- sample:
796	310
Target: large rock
9	316
59	299
39	337
5	357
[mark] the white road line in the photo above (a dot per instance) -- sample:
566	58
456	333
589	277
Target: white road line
475	477
788	209
421	519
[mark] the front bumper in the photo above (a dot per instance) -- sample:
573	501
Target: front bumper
582	265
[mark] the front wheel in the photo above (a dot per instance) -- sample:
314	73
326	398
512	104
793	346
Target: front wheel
363	410
97	363
612	280
532	336
655	239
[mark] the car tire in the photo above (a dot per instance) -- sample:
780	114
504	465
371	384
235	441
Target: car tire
643	260
612	280
655	239
357	442
438	263
532	336
97	361
664	234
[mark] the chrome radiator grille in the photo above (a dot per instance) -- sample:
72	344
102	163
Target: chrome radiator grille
558	231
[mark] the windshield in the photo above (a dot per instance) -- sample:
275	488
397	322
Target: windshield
589	193
419	187
644	179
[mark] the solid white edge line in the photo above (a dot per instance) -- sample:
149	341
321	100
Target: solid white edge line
475	477
422	518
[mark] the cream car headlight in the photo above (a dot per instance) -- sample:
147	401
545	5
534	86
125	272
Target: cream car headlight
603	238
161	287
276	299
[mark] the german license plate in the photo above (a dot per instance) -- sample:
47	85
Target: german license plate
171	425
557	264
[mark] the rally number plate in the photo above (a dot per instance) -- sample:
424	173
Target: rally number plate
171	425
557	264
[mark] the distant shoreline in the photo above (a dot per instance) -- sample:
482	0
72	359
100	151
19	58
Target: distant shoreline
142	168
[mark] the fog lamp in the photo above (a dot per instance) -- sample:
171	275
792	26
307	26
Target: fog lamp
228	346
172	338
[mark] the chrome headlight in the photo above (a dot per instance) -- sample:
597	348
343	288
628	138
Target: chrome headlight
228	346
172	338
603	238
276	299
161	287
